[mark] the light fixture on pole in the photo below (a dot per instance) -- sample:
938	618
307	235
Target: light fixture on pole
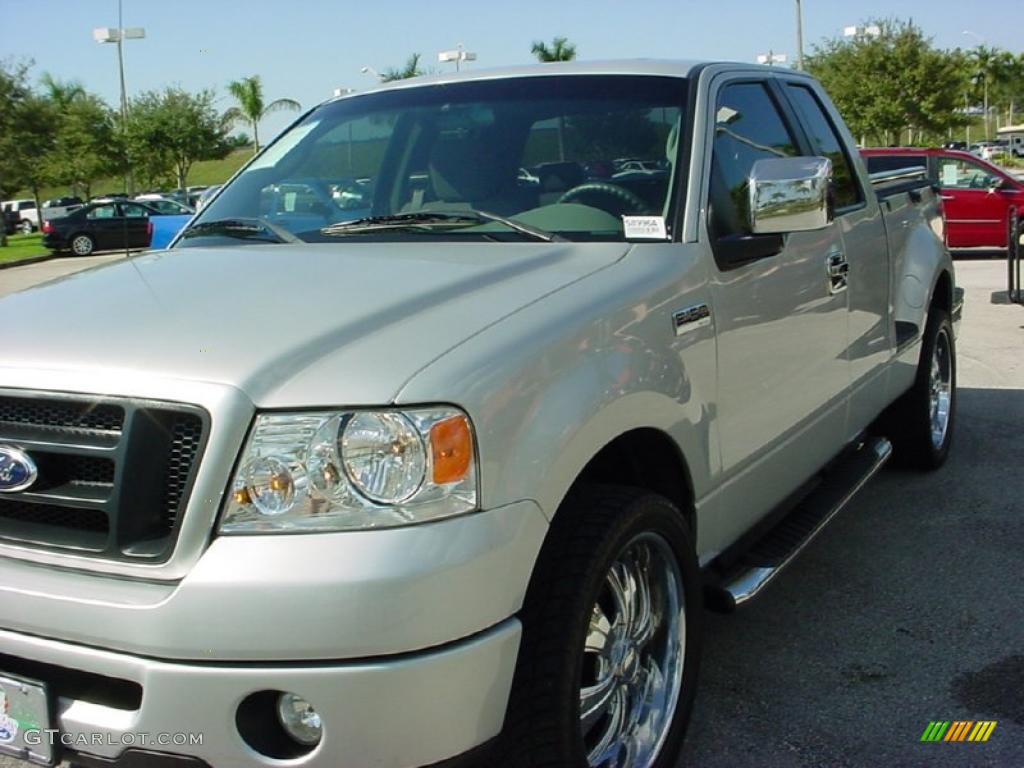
368	70
119	35
872	30
771	58
458	55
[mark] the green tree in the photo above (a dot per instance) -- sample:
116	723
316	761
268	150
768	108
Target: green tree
559	50
13	91
85	146
248	92
892	82
33	135
411	69
169	131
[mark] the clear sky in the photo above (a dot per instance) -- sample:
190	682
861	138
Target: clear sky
305	48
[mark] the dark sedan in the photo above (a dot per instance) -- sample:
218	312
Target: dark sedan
101	226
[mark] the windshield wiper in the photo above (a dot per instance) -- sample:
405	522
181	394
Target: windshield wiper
243	229
428	219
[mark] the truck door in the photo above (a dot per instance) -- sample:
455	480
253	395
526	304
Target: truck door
866	251
780	317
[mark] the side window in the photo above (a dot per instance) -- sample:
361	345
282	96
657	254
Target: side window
883	163
748	128
134	211
827	143
102	212
955	173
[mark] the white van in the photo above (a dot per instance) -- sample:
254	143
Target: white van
28	215
1014	136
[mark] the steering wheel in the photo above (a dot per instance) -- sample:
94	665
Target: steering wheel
623	201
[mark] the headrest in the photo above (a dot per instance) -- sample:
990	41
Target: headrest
463	170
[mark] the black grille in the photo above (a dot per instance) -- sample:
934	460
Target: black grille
75	415
114	477
85	469
50	514
187	433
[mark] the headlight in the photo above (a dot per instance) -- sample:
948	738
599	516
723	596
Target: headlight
331	470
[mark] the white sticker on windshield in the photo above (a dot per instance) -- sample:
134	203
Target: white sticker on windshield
645	227
950	177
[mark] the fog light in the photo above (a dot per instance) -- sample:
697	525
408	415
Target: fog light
299	719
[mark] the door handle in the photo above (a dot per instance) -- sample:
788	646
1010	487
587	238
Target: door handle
947	197
838	270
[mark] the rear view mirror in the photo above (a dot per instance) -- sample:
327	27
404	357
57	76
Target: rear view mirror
790	194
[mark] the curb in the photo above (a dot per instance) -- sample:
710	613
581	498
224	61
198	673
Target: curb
29	260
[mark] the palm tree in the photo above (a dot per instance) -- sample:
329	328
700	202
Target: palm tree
411	69
61	92
561	50
249	93
982	61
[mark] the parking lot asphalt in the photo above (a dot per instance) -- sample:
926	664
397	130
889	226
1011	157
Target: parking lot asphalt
16	278
909	608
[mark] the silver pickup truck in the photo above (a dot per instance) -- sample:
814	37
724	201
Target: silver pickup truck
432	437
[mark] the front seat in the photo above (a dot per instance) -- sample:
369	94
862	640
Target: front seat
470	173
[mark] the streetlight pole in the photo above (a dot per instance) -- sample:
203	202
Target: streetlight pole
120	61
119	35
799	36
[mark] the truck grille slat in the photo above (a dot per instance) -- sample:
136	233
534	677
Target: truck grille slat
81	415
114	476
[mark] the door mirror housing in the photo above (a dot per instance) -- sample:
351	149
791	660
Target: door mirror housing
790	194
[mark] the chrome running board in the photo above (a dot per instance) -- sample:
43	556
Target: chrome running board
770	555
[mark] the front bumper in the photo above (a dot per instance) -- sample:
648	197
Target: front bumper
411	711
300	597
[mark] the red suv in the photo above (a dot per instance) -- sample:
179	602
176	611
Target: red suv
982	203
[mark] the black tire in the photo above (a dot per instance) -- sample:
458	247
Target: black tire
908	423
81	244
598	527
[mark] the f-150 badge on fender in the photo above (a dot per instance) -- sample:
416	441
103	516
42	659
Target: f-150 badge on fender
691	318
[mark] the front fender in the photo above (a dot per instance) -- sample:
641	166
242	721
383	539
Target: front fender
549	387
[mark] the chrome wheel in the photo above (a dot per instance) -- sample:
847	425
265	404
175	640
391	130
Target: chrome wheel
633	657
82	245
26	227
940	388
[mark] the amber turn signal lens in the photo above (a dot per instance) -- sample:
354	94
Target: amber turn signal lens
451	443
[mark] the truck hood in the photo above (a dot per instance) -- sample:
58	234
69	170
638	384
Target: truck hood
317	324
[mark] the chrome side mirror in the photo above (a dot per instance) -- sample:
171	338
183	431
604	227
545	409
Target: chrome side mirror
790	194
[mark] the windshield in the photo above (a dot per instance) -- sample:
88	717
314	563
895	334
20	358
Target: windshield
564	156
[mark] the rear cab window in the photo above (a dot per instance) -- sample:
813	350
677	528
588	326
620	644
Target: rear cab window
886	163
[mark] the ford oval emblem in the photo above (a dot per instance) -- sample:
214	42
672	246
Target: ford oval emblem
17	470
